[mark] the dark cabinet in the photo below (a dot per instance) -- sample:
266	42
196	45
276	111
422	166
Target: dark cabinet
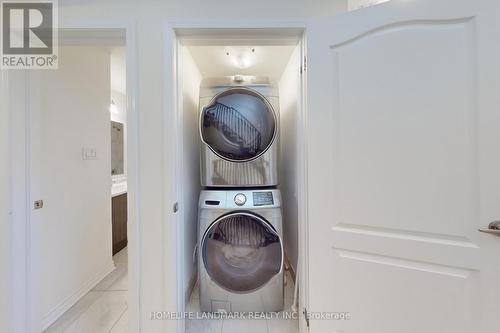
119	221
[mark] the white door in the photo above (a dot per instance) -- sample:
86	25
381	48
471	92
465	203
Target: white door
404	168
70	236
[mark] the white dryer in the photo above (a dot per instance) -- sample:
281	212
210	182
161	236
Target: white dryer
240	256
239	129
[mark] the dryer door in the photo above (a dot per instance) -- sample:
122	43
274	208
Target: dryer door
242	252
239	124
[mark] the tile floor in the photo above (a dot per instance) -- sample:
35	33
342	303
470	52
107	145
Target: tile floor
104	308
274	325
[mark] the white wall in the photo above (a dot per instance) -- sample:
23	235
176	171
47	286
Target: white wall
154	165
4	209
289	88
121	103
17	165
191	79
71	235
118	70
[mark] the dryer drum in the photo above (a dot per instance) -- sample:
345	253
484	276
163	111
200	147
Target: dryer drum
241	252
239	124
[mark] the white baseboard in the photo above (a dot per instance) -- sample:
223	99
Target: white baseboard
65	305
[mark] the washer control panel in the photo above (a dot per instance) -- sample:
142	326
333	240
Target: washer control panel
240	199
263	198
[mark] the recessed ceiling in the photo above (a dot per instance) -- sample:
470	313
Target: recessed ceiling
268	60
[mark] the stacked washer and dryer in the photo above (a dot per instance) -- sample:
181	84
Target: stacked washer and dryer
240	233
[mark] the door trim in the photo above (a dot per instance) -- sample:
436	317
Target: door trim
205	33
24	317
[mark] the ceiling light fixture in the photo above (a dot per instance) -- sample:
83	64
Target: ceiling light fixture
242	57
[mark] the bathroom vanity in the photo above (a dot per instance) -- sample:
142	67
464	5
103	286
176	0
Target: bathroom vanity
119	183
119	221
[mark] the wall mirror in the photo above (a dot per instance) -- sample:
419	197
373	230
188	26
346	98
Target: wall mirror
117	149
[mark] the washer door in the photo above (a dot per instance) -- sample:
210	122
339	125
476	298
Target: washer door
239	124
241	252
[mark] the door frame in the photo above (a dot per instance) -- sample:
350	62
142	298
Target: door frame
24	316
6	221
173	93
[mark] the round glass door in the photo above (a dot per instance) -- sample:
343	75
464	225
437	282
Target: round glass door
241	252
239	124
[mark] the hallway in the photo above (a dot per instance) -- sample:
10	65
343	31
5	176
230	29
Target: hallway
104	308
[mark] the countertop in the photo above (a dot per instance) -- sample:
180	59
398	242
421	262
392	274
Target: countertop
118	189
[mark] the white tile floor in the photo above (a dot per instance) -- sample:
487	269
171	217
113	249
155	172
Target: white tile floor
104	308
274	325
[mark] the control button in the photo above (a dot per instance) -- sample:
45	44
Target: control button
240	199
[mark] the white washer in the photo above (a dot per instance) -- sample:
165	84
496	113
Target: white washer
239	129
240	257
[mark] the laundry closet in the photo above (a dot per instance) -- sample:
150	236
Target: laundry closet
239	123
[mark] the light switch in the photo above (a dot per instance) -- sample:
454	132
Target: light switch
89	153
